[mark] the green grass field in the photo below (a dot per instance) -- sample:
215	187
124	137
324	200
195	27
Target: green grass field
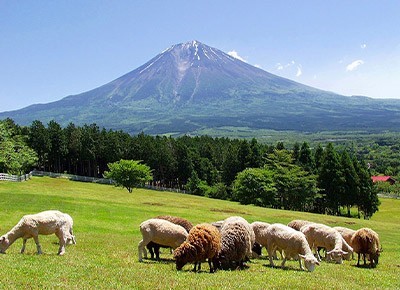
106	225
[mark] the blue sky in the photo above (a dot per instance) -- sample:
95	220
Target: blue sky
51	49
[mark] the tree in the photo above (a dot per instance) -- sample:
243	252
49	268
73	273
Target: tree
15	156
330	179
128	173
255	186
350	186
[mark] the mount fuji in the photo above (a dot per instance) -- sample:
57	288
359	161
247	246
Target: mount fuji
192	86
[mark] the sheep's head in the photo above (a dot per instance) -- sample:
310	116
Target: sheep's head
186	253
4	244
337	255
309	261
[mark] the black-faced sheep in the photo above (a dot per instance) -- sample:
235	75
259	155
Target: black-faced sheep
202	243
43	223
162	232
292	242
237	239
366	241
154	248
320	235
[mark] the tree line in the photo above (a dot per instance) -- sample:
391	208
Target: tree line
321	179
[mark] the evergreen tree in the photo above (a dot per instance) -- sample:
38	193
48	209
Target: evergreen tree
350	186
330	180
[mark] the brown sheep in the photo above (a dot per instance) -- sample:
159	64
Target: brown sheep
154	248
366	241
203	242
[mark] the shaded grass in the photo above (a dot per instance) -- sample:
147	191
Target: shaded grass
107	230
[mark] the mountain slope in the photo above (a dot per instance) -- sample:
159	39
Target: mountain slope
193	86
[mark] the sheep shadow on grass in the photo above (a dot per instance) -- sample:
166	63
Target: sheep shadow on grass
285	268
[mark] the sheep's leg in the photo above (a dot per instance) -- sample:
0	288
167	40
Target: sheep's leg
270	255
142	249
358	260
62	241
23	245
301	265
283	262
210	264
317	254
38	246
157	252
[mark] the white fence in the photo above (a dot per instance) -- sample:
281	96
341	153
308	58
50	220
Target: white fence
73	177
15	178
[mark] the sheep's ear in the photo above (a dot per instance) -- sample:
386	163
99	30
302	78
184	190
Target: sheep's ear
317	263
330	252
2	239
302	256
344	253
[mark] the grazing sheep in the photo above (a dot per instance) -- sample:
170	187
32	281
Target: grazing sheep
366	241
43	223
154	248
237	239
320	235
298	224
346	234
203	242
292	242
258	229
162	232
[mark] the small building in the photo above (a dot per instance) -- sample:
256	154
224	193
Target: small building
380	178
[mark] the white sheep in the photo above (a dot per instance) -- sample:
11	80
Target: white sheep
43	223
259	229
298	224
320	235
292	242
162	232
346	234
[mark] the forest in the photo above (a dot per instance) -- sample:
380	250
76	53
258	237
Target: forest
322	177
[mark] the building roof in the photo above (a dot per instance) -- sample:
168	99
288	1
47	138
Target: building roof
383	178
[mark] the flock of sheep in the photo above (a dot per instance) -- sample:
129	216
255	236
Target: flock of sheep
229	243
225	244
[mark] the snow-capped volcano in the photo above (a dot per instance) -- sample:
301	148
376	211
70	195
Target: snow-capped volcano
192	86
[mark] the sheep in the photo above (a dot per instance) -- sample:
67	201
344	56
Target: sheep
298	224
154	248
43	223
346	234
258	229
366	241
162	232
320	235
292	242
203	242
237	239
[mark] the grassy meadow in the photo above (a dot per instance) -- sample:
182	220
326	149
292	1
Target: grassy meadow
106	226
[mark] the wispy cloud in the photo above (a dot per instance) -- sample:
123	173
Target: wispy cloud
363	46
234	54
354	65
299	71
291	66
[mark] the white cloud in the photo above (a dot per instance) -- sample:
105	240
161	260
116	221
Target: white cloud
299	72
279	66
363	46
258	66
354	65
234	54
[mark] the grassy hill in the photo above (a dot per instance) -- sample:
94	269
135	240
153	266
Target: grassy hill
107	230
